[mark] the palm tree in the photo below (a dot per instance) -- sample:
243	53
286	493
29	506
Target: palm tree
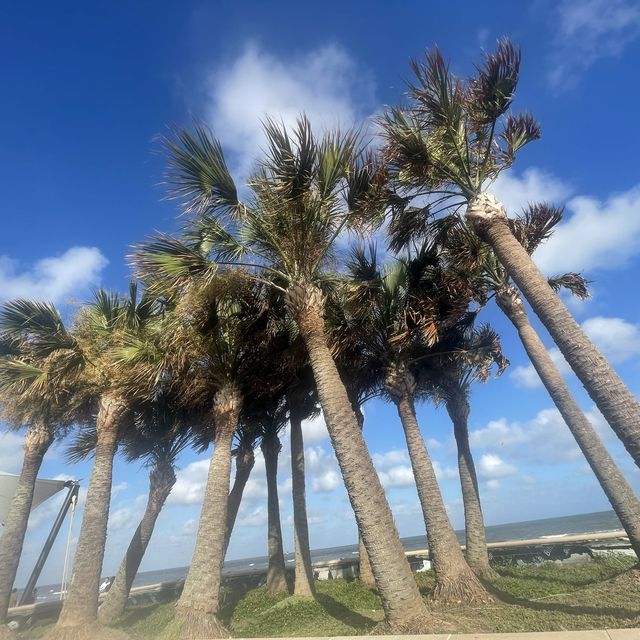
403	313
363	378
271	416
285	236
157	440
489	279
463	357
450	145
218	336
32	398
246	436
302	404
96	334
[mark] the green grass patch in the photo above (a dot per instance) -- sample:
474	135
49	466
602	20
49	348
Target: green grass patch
602	593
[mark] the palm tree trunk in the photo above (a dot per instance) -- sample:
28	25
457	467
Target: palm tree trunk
303	584
404	608
37	441
161	481
365	574
245	460
80	610
617	404
476	543
276	570
613	483
455	582
197	608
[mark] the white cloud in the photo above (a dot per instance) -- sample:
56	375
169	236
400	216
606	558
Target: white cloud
391	458
398	476
445	473
395	471
317	459
491	466
516	192
53	279
594	234
545	439
314	430
118	488
123	518
526	376
255	488
11	452
618	340
256	517
326	84
326	482
190	483
589	30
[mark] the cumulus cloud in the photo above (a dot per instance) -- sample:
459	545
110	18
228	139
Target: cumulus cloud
618	340
594	234
314	430
395	471
491	466
54	278
190	483
587	31
398	476
526	376
545	439
326	482
516	192
11	452
326	83
253	517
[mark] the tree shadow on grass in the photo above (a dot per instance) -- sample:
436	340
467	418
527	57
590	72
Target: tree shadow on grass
343	614
577	609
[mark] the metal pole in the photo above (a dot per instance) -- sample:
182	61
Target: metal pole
27	594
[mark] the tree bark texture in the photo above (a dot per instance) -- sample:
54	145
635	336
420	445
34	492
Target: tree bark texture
37	441
245	459
617	404
197	608
161	481
304	583
613	483
403	606
455	582
365	574
80	607
476	544
276	570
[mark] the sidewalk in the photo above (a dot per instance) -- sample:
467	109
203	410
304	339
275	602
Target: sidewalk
611	634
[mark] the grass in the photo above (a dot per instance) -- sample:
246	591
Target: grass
602	593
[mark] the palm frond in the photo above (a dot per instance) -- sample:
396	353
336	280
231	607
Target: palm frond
198	173
491	90
535	224
577	284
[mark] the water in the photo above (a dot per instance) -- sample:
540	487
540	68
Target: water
599	522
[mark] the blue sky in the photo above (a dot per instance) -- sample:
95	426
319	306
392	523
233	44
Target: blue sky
87	88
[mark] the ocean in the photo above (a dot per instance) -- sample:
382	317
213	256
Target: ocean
599	522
